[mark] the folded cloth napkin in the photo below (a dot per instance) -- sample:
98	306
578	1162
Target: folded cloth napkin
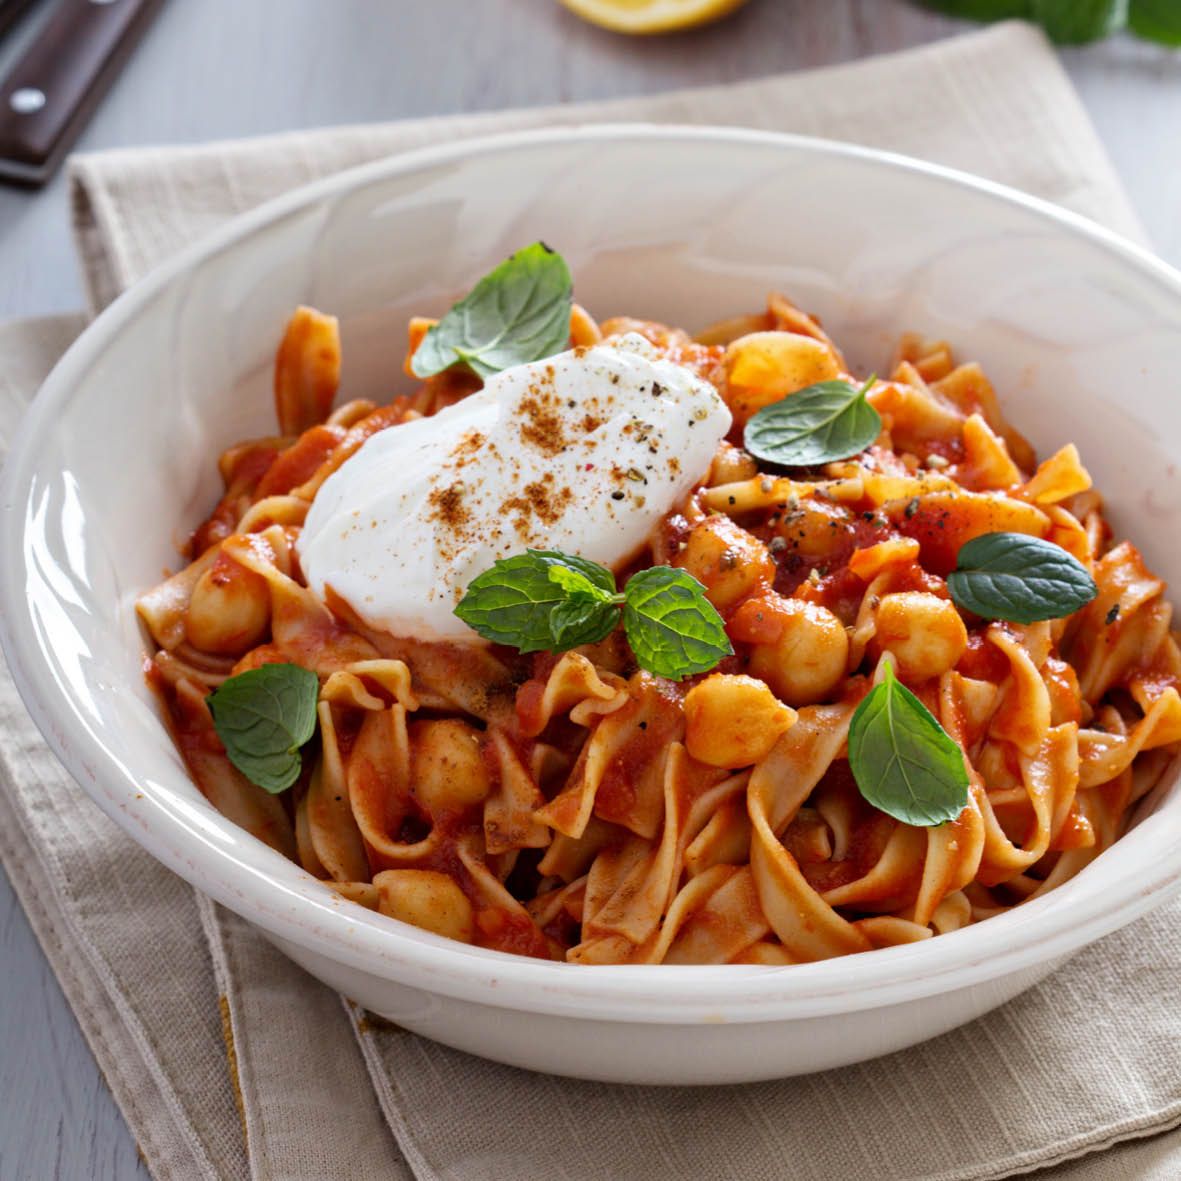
230	1062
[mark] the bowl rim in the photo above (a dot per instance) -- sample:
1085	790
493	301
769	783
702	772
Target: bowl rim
296	908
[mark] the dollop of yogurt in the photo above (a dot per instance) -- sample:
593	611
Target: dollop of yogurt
583	452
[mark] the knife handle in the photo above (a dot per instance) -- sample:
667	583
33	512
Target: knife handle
10	12
49	93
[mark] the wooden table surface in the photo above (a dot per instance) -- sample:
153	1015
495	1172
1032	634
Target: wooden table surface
225	68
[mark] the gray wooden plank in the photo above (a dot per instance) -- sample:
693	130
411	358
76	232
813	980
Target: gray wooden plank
57	1118
1132	91
222	68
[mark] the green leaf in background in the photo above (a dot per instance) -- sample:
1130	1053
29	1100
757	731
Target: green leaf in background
981	10
1156	20
263	717
673	629
1019	578
904	762
518	312
512	602
827	421
1076	22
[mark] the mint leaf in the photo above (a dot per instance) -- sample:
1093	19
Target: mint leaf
590	613
1019	578
673	629
827	421
575	581
513	602
544	600
582	620
904	762
1156	20
518	312
1075	22
263	717
598	575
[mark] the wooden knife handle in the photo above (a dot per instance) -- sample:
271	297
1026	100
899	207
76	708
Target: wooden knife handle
49	93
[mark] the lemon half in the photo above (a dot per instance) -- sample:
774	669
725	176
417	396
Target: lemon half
651	16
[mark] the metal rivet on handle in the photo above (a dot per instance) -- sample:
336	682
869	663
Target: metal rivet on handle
26	100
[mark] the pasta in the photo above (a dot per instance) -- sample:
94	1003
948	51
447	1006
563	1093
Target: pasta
572	805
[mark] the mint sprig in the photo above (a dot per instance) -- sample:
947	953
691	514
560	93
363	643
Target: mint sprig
545	600
518	312
513	602
672	628
263	718
905	764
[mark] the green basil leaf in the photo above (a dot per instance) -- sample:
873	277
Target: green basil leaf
518	312
827	421
582	620
1019	578
981	10
673	629
1076	22
263	717
1156	20
904	762
512	603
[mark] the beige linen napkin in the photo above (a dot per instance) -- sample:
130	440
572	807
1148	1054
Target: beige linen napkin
996	103
156	975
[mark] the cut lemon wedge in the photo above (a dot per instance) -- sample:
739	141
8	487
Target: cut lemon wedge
651	16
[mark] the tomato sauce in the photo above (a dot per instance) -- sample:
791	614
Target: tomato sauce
982	660
300	461
241	481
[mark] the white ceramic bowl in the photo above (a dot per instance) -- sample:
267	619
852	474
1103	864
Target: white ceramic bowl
1080	331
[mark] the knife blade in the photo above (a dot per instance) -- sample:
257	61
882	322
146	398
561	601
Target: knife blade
51	91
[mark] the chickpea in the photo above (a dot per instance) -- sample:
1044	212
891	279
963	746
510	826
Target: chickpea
807	662
765	367
923	632
733	721
230	609
727	560
730	464
447	767
426	899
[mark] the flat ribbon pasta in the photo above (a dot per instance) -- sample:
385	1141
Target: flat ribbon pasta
551	804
